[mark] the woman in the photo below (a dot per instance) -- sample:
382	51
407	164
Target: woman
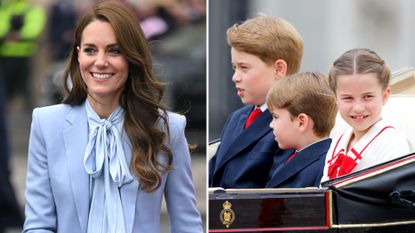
102	160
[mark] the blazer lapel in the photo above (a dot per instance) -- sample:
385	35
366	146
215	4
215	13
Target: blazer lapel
303	159
238	129
255	131
76	137
129	191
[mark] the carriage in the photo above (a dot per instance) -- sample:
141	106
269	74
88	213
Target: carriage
377	199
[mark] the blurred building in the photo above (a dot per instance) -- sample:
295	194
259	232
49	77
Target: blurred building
329	28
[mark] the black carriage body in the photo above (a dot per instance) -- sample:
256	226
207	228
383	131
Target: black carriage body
378	199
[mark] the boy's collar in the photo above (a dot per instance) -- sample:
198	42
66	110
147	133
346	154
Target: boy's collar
321	139
262	107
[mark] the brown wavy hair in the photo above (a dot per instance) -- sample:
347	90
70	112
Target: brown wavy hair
145	116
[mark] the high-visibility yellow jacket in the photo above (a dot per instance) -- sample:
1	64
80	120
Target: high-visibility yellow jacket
33	23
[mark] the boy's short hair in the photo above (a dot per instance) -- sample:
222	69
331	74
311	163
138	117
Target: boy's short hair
307	93
269	38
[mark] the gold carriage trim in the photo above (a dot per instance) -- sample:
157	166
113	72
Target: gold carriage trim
373	224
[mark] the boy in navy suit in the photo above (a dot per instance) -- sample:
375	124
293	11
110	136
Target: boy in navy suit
264	50
303	112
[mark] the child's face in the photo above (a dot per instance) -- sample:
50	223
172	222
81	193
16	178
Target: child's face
252	77
360	99
284	128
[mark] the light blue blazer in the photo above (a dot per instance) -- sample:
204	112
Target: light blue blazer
57	185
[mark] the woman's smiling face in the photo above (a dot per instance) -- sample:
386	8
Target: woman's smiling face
103	68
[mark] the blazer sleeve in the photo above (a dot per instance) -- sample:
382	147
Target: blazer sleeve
40	214
179	191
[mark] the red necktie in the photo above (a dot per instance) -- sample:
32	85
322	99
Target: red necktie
291	156
254	114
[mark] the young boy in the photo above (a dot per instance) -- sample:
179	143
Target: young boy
303	113
264	50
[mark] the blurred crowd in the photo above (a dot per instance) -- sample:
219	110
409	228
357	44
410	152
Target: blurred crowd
175	29
35	37
157	18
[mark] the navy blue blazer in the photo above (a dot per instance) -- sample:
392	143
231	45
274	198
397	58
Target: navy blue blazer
245	156
303	170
